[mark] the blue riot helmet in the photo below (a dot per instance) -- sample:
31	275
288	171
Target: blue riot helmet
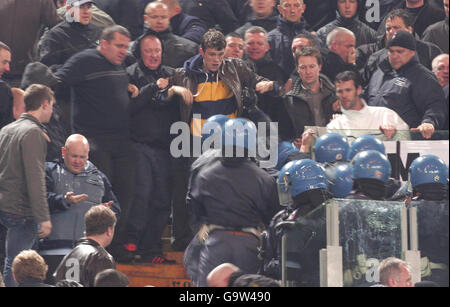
365	142
300	176
340	179
239	133
428	169
331	147
284	150
214	125
371	164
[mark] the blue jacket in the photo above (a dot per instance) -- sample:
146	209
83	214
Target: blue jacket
189	27
412	91
280	41
68	220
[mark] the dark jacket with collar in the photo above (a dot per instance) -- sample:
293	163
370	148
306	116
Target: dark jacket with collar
268	24
426	52
267	68
6	104
280	41
66	39
296	113
233	72
412	91
438	34
213	13
333	64
189	27
176	49
89	258
68	220
150	117
33	283
363	33
427	16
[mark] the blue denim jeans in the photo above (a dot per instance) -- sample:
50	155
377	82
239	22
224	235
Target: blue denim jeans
21	235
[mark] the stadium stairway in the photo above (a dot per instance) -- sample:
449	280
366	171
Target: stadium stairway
158	275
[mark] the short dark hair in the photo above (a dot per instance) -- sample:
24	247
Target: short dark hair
348	76
402	14
234	34
256	29
98	219
309	37
111	278
35	95
213	39
308	51
108	33
4	46
29	264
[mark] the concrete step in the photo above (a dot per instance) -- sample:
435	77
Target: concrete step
157	275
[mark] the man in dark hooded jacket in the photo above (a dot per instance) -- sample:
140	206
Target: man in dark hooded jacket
347	17
176	48
290	24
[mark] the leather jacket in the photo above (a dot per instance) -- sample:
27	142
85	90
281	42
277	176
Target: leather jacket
234	72
84	262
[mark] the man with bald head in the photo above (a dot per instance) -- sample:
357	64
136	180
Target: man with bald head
74	185
184	25
176	49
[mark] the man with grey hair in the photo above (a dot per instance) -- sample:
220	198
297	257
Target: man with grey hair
394	272
340	55
440	68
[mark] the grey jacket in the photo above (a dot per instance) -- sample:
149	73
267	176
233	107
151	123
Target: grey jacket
23	146
68	220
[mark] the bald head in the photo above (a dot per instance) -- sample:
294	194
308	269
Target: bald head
220	275
76	153
441	68
157	16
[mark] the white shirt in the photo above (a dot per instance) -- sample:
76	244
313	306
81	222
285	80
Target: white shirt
367	118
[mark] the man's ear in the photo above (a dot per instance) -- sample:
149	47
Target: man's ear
359	90
63	151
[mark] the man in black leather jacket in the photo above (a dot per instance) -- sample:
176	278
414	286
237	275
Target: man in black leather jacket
89	256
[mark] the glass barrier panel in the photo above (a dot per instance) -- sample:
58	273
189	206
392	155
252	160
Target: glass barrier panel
433	237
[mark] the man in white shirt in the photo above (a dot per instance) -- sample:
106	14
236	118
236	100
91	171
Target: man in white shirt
356	114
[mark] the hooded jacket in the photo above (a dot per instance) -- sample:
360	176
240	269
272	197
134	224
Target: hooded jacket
66	39
233	72
412	91
280	41
68	220
176	49
150	118
363	33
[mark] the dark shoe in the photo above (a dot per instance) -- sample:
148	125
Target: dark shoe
124	254
154	259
